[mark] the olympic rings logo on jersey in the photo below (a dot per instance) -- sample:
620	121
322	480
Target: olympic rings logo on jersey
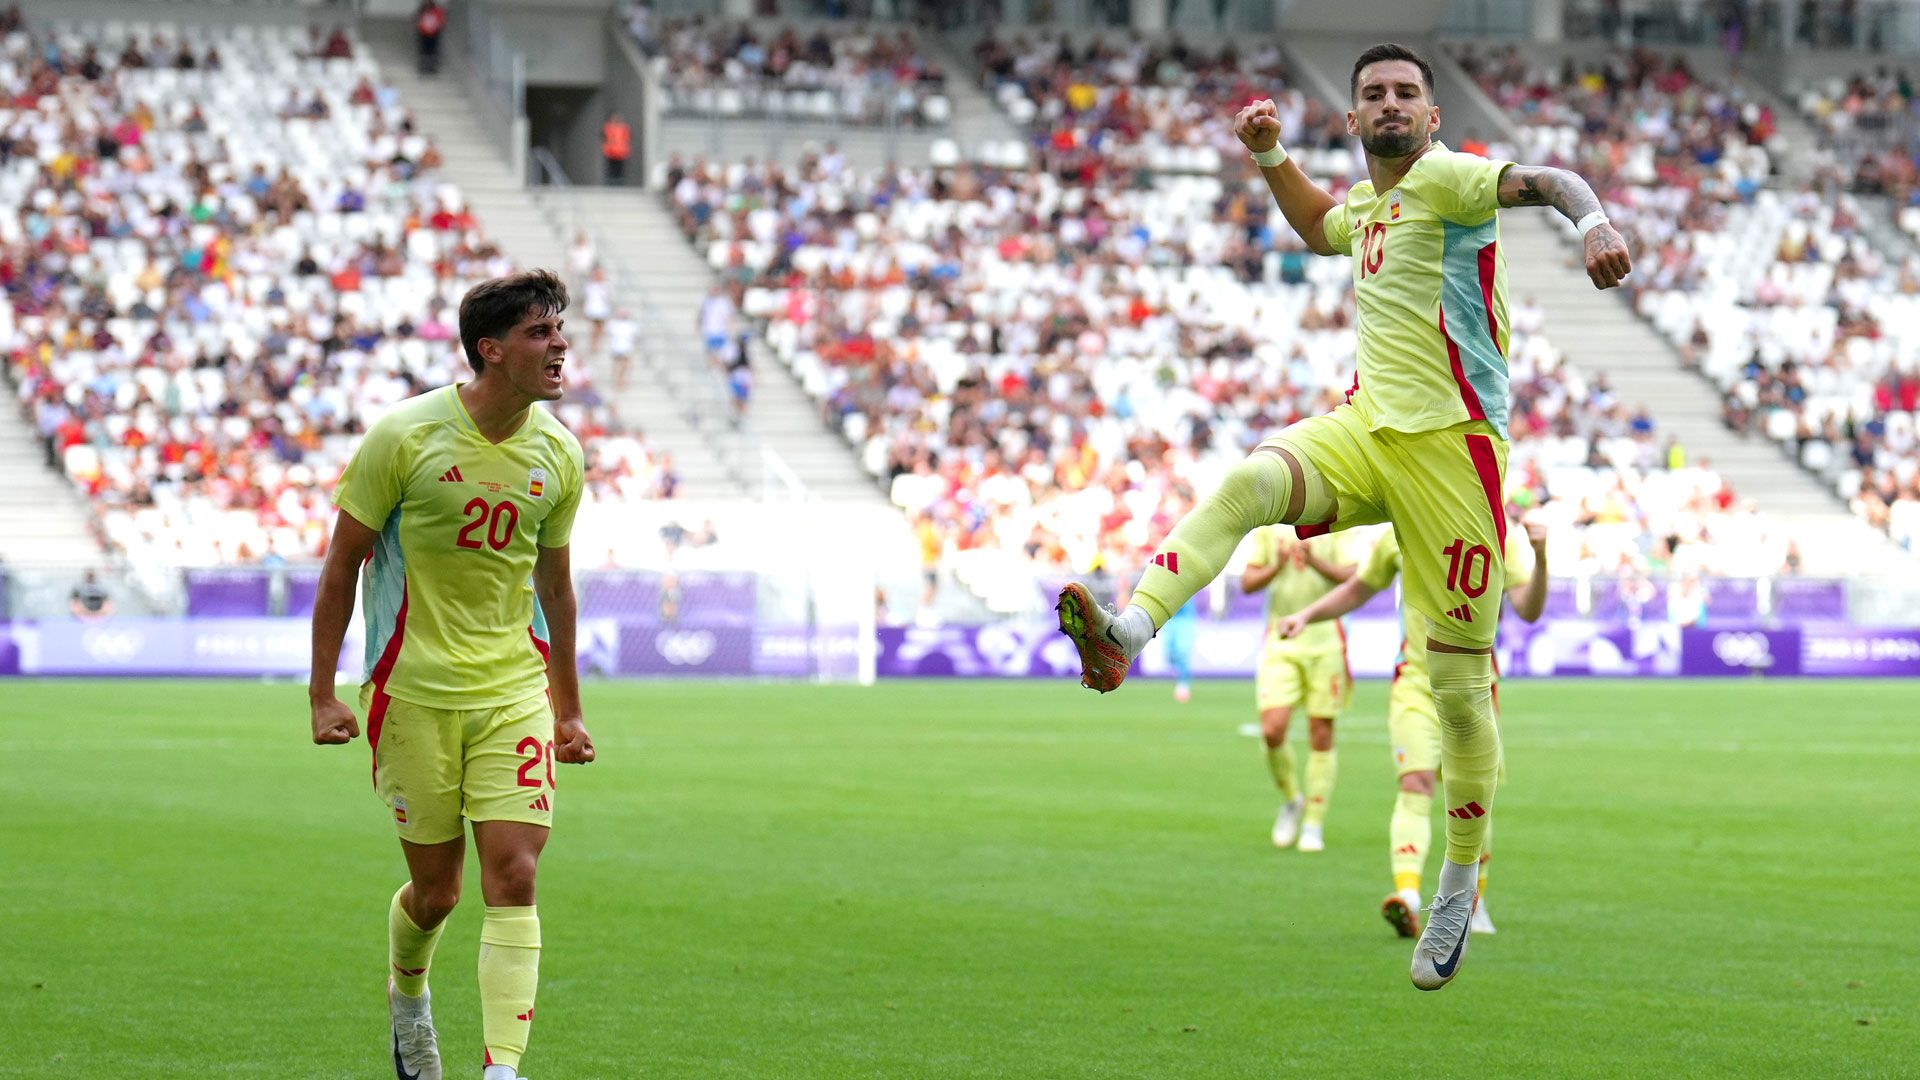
1748	650
685	648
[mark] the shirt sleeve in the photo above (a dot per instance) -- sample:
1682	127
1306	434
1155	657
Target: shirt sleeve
1383	564
557	528
373	482
1338	229
1462	188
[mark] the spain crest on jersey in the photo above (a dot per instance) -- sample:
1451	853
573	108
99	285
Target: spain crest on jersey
536	481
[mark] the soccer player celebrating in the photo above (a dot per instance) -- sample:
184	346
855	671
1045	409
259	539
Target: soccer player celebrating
1413	729
1306	670
460	502
1421	440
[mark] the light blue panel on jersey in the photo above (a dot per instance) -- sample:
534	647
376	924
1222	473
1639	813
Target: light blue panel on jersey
1465	307
539	625
382	592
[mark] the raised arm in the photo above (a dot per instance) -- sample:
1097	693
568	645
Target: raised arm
1348	596
1540	185
1303	202
333	720
1529	597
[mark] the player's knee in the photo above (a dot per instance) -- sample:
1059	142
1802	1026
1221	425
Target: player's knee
510	877
1308	498
433	903
1273	726
1417	783
1259	490
1320	732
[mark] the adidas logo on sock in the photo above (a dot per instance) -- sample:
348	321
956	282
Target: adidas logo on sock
451	476
1463	613
1170	560
1468	812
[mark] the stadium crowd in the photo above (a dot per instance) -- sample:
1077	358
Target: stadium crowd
1052	367
1774	294
865	76
199	325
1093	103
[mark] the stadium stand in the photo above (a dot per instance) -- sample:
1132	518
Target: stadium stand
725	69
202	323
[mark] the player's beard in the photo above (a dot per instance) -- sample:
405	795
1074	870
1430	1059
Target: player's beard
1393	144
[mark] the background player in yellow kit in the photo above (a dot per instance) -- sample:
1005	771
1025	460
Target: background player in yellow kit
460	502
1420	442
1413	730
1307	671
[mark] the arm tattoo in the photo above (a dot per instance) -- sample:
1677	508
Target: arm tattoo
1527	185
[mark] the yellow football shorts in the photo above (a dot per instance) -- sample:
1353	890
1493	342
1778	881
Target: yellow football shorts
432	767
1413	727
1317	683
1443	491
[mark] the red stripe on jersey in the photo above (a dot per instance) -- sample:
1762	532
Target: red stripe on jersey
1480	449
382	671
1488	264
543	647
1340	628
1467	395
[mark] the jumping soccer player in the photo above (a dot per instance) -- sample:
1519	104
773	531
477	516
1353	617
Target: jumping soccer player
1412	728
461	502
1304	671
1421	440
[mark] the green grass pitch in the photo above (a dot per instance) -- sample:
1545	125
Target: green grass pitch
949	879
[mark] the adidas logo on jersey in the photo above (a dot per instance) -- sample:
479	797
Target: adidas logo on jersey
541	803
1463	613
451	476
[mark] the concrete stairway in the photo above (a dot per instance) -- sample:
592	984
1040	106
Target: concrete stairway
1600	334
46	519
532	236
663	276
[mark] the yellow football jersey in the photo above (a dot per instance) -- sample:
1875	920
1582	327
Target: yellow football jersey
1293	588
451	617
1431	285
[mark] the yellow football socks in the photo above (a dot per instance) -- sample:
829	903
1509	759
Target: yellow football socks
409	948
1280	764
1410	834
1486	856
1254	493
1322	766
1469	748
509	976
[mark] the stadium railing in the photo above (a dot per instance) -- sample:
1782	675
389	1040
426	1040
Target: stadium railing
699	392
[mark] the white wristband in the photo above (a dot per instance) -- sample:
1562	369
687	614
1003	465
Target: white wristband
1591	222
1267	159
